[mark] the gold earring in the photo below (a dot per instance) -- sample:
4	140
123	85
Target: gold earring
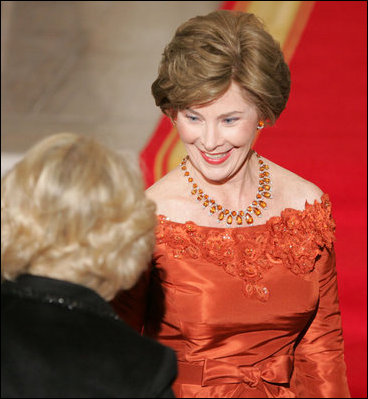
260	125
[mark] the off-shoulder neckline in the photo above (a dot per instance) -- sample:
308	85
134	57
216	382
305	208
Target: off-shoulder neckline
324	199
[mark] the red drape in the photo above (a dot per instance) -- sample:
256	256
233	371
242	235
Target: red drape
322	136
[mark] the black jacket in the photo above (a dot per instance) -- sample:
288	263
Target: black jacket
62	340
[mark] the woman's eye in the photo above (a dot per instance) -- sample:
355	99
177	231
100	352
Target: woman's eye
229	121
192	118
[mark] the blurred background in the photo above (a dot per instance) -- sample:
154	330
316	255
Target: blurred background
87	67
84	67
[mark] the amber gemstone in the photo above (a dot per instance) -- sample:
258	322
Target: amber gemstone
238	217
257	211
248	218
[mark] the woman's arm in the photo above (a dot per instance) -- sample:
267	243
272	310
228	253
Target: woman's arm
131	305
319	369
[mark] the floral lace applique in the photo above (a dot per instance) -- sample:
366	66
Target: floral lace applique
294	239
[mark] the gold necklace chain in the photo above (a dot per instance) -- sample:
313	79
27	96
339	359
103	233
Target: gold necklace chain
230	216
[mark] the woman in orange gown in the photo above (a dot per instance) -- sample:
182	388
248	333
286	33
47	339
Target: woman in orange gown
243	286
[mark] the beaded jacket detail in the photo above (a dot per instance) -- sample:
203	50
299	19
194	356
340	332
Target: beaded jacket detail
294	239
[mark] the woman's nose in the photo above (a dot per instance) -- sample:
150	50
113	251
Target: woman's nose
211	138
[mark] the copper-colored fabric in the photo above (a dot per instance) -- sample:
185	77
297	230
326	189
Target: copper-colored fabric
252	311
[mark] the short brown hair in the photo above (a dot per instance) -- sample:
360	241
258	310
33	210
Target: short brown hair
208	52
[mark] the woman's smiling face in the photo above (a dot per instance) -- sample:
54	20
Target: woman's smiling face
218	136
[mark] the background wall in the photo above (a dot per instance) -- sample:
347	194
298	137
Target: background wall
87	67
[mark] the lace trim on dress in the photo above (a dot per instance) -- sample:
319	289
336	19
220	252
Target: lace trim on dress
293	239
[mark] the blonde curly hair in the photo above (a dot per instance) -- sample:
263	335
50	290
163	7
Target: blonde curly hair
75	210
208	53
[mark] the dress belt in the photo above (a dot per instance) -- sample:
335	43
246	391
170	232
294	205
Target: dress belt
276	370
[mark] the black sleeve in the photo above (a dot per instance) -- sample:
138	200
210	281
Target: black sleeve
166	375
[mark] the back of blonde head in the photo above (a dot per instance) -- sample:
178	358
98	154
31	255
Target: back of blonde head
73	209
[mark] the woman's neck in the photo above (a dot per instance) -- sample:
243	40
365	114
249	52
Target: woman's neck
235	191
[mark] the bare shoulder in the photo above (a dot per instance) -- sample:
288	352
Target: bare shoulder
292	190
161	188
166	193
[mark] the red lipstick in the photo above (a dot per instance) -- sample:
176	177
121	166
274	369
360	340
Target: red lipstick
216	158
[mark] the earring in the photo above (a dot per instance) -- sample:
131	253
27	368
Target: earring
260	125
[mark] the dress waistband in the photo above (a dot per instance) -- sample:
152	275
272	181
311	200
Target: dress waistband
276	370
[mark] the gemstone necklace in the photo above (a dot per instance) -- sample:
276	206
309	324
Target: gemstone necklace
230	216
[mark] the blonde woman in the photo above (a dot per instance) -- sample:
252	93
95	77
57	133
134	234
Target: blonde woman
76	227
244	260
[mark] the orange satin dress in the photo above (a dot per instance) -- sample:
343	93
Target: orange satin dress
251	311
